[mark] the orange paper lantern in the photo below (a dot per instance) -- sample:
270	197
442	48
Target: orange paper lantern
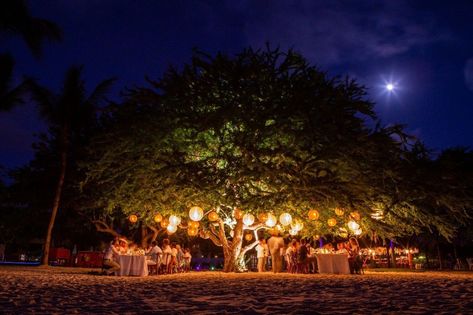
133	218
339	211
238	214
355	215
164	223
213	216
332	222
262	217
313	214
248	237
158	218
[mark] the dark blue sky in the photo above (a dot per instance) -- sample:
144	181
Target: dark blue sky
425	47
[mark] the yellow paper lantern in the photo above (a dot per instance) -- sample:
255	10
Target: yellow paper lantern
171	228
339	211
192	232
313	214
213	216
262	217
164	223
194	224
133	218
352	225
248	219
297	225
355	215
285	219
238	214
158	218
196	213
174	220
332	222
248	237
271	220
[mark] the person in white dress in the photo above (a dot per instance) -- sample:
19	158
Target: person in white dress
166	260
260	255
276	245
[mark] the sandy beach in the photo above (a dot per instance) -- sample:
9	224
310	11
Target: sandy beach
73	291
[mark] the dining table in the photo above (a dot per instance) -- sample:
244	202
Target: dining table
333	263
133	265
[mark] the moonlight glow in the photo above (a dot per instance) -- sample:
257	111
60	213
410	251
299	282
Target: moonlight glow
389	87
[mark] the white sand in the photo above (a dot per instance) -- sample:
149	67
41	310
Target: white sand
73	291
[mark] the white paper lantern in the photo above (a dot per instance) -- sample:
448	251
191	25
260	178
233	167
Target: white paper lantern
171	228
174	220
297	225
352	225
285	219
358	232
196	213
293	232
271	220
248	219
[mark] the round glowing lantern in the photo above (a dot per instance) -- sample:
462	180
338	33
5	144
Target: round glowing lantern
238	214
158	218
194	224
262	217
248	219
332	222
352	225
196	213
171	228
174	220
192	232
248	237
339	211
213	216
271	220
297	225
358	232
313	214
164	223
355	215
133	218
293	232
285	219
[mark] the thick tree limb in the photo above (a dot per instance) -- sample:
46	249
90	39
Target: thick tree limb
103	227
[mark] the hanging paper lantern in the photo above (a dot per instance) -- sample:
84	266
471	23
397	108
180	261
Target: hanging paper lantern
248	219
339	211
271	220
192	232
164	223
171	228
133	218
332	222
238	214
158	218
262	217
213	216
248	237
355	215
352	225
194	224
285	219
174	220
293	232
297	225
358	232
313	214
196	213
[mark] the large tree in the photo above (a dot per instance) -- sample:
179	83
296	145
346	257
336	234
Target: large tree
261	133
70	114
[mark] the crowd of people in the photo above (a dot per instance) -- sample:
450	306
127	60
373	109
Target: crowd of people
167	259
299	256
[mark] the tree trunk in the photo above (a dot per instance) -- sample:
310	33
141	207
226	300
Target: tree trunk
439	253
57	196
231	252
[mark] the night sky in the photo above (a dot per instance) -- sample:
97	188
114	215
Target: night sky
425	48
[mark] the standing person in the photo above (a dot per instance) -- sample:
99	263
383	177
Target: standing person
154	252
260	254
266	254
275	245
187	260
302	261
312	258
110	257
2	252
166	260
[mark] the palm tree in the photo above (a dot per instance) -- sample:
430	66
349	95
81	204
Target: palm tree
16	19
9	96
69	112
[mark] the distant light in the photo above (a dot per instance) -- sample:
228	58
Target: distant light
389	87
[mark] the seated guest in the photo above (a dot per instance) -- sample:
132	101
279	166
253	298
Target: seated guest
123	246
341	248
110	257
154	252
166	259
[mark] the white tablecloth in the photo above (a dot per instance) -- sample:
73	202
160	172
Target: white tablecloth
132	266
333	263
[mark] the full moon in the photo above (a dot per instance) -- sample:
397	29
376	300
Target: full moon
389	87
